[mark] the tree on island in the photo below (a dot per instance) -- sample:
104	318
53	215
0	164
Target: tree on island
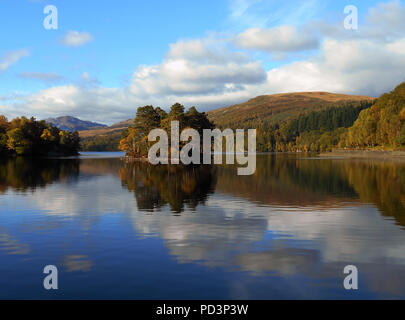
135	142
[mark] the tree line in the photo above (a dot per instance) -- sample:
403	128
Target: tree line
106	142
23	136
311	132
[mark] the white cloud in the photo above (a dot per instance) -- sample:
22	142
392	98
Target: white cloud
211	73
77	39
197	67
397	47
353	66
87	102
12	57
283	39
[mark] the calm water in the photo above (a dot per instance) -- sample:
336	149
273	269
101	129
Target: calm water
133	231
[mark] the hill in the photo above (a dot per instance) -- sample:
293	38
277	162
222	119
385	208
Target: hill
73	124
278	107
382	125
261	112
106	138
115	128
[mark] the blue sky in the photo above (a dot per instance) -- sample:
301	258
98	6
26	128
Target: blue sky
204	53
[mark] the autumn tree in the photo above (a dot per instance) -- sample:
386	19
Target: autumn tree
23	136
135	141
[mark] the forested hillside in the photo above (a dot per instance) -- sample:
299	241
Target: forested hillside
104	139
261	112
365	124
314	131
275	108
382	125
105	142
307	121
304	122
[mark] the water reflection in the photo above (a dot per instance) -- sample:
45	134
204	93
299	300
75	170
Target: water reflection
279	181
294	225
176	185
290	181
22	174
324	183
381	183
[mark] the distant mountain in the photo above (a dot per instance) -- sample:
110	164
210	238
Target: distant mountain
278	107
72	124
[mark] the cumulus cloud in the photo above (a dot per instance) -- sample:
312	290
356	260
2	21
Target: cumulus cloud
211	73
283	39
197	67
357	67
87	102
76	39
12	57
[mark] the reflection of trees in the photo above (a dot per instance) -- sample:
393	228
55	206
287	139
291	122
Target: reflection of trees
279	180
24	174
287	180
176	185
381	183
100	167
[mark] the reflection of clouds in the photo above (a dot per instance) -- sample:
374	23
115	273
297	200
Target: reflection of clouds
236	234
381	276
74	263
225	223
86	199
11	245
318	244
207	235
285	261
349	234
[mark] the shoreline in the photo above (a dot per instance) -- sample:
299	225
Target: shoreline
337	153
364	154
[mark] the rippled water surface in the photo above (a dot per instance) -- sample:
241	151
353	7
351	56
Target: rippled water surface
135	231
